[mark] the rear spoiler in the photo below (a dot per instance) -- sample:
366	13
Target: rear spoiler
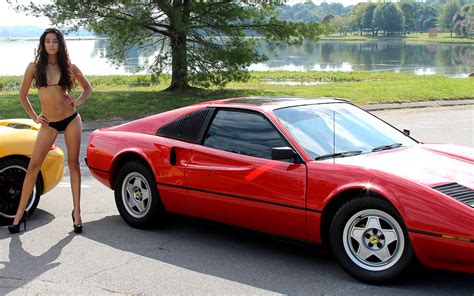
20	123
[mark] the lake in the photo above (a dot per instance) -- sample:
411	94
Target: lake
453	60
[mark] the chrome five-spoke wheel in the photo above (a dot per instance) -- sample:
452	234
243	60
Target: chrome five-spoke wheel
136	195
367	237
373	240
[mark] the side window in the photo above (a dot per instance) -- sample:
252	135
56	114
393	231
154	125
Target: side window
244	133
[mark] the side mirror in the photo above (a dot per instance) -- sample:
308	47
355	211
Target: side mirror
283	153
406	132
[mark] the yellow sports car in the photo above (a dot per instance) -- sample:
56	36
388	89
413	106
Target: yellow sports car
17	137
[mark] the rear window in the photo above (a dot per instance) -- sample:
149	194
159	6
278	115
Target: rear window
188	128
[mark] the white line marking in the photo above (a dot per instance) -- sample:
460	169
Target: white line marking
67	184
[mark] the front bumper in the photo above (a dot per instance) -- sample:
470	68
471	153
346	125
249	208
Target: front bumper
444	253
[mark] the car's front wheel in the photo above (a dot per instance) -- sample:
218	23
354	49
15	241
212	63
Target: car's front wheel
368	238
137	197
12	174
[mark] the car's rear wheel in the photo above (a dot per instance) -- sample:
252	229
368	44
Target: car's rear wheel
369	240
12	174
137	197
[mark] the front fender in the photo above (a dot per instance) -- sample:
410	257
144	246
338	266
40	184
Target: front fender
421	207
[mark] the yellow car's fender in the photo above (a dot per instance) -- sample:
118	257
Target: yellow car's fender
17	138
20	123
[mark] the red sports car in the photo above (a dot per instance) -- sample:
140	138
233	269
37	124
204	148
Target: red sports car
319	170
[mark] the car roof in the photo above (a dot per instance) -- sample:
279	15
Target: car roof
270	103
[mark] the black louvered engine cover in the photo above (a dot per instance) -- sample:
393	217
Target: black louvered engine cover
187	128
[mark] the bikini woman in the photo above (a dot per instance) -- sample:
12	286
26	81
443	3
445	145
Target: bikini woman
54	77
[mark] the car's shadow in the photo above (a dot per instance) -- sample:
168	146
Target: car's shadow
260	261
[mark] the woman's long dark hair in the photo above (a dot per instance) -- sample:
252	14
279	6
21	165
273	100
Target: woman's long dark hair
67	78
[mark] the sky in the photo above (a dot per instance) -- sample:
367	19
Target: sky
8	17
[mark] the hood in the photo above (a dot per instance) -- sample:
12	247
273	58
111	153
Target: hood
430	165
20	123
7	133
16	141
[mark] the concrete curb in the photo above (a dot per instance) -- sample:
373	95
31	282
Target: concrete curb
92	125
424	104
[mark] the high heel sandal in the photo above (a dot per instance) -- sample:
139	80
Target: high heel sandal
15	228
77	227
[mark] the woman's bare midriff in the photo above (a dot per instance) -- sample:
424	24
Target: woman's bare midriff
52	103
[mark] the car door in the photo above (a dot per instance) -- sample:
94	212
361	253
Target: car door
232	179
170	161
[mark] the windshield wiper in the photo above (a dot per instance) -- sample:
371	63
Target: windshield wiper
387	147
339	154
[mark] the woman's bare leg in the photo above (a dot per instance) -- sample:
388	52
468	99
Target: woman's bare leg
44	141
72	136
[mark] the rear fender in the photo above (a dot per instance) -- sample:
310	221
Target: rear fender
125	156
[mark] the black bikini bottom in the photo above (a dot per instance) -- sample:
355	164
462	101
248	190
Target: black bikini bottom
62	124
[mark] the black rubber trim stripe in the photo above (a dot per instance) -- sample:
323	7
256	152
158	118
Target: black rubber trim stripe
242	197
424	232
439	235
96	169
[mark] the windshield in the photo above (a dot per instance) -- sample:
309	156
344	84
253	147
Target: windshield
355	130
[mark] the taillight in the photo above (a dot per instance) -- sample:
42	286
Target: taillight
53	147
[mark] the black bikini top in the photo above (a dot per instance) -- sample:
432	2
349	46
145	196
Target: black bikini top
57	84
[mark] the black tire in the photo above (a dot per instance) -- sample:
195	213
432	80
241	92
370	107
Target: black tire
143	207
370	241
12	174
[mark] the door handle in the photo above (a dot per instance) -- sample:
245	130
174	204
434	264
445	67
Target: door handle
173	156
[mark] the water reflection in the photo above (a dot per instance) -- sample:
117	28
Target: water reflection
136	59
394	56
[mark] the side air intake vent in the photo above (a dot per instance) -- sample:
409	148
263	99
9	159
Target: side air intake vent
458	192
188	128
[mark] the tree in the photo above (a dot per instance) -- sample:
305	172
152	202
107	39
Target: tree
393	18
459	23
378	18
463	20
342	24
425	17
448	11
470	21
358	15
202	42
328	18
470	26
408	9
367	18
388	17
429	23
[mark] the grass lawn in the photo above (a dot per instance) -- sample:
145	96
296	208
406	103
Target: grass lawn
129	97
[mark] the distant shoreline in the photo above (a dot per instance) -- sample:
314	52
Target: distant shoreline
37	38
410	38
413	38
